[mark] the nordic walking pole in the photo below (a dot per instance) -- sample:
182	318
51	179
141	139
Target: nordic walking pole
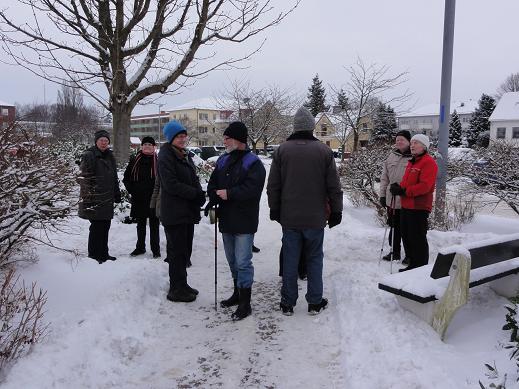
215	257
391	232
382	248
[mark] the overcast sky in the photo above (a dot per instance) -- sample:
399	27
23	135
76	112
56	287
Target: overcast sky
325	36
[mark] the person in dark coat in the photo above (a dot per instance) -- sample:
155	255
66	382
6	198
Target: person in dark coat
139	180
181	197
99	190
303	186
235	186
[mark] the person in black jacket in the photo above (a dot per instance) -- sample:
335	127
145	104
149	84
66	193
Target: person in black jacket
139	180
235	186
99	189
181	197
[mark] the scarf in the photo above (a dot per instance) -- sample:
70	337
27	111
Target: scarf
137	164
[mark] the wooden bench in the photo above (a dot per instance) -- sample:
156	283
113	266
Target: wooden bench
428	292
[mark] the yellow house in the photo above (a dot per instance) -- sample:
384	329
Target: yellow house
333	130
204	120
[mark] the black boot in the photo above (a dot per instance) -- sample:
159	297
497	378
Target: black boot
181	295
233	300
244	308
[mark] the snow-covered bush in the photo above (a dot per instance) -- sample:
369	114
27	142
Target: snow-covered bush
38	189
360	174
21	314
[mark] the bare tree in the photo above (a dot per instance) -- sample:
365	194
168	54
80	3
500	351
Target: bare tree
267	112
368	85
134	48
511	84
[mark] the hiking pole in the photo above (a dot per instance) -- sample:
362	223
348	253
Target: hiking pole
391	232
215	257
382	248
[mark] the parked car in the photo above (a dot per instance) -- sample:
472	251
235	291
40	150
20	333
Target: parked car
194	150
211	151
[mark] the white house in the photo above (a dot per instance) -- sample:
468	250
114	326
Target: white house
504	121
426	119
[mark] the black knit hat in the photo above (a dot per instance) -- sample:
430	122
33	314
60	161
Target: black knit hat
101	134
238	131
148	139
406	134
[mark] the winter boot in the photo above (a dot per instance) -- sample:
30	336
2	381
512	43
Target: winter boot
255	249
181	295
233	300
315	309
244	308
287	310
192	290
388	257
405	261
136	252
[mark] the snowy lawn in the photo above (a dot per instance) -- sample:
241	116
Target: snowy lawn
112	327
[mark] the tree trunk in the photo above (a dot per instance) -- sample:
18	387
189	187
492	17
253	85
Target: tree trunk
355	140
121	133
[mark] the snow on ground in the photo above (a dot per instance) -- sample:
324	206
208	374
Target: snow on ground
111	325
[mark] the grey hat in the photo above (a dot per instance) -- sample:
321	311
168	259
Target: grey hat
303	120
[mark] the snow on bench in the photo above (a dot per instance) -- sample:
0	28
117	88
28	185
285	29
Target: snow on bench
430	294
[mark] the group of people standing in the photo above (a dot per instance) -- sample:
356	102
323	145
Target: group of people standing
167	187
406	190
304	195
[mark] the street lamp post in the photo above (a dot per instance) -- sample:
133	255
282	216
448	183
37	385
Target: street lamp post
159	120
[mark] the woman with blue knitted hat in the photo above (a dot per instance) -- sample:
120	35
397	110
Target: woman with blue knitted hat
139	180
181	197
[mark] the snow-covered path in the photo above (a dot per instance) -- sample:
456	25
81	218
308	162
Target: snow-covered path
111	326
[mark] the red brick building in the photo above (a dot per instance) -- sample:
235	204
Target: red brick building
7	114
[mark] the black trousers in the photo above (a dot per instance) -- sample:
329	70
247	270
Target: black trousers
98	238
413	225
395	235
179	247
154	234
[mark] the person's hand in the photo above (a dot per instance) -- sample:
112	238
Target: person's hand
335	219
275	215
208	208
382	201
397	190
222	193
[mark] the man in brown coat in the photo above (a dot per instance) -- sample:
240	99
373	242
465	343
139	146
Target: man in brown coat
302	183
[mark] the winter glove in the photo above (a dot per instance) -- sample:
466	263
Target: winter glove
275	215
335	219
396	190
382	201
208	207
200	198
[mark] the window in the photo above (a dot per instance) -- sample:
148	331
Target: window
501	132
363	143
5	111
202	130
214	116
515	132
324	130
214	130
203	116
328	143
364	126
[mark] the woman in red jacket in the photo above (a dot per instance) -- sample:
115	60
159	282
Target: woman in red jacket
416	193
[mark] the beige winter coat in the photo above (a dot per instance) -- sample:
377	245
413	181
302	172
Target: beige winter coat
392	171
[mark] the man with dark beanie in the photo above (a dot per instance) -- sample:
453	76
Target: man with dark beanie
181	197
99	190
139	180
392	171
303	179
235	187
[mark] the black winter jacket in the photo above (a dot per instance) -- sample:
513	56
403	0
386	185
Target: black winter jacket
139	182
180	190
242	173
99	186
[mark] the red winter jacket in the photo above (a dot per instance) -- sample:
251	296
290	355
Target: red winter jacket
419	181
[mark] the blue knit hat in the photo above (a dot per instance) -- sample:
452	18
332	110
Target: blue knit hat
172	129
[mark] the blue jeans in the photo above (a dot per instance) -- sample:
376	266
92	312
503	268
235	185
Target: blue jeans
311	241
238	250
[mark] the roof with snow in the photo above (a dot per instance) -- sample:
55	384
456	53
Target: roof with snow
4	104
507	108
208	103
465	107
